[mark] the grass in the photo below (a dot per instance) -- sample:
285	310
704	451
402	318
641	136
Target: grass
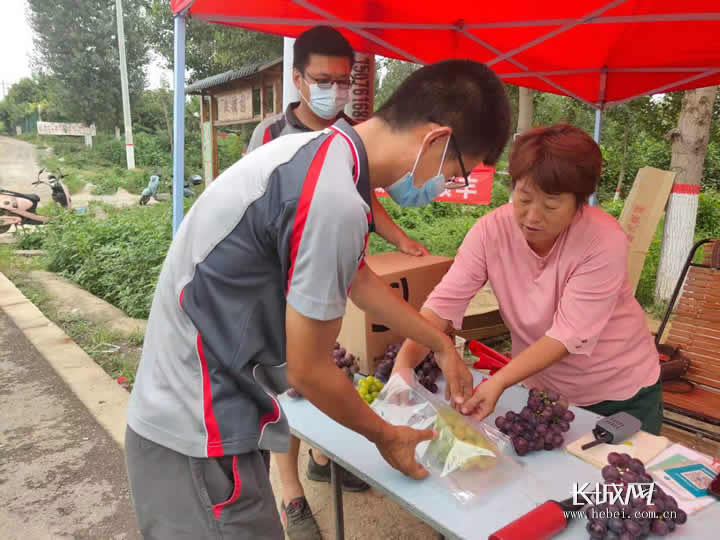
117	354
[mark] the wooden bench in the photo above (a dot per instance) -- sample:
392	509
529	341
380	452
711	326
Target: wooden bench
695	328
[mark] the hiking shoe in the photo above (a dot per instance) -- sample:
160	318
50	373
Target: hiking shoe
321	473
298	520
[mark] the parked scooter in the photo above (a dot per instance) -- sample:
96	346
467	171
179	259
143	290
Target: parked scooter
59	192
153	188
21	208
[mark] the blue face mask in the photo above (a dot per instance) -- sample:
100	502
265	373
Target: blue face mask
327	102
405	193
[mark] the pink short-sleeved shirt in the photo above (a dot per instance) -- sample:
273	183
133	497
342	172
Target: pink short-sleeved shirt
578	294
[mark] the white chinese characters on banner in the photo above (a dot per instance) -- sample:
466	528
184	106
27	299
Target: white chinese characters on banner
60	128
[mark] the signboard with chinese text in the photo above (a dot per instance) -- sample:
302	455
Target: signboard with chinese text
641	214
59	128
235	106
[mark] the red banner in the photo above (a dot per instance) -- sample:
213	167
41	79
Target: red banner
478	192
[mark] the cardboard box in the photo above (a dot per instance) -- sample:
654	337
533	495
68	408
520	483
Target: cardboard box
641	214
411	278
482	318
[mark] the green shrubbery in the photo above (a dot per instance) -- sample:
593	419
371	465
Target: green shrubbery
119	257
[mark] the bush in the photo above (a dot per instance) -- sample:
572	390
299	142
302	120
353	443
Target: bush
645	292
111	150
614	208
108	181
117	258
30	239
708	218
440	227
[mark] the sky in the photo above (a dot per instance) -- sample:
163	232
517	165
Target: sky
16	46
15	43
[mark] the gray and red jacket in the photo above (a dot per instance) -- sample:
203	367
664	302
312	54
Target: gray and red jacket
282	124
287	224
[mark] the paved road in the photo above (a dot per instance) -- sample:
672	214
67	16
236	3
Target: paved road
61	475
19	168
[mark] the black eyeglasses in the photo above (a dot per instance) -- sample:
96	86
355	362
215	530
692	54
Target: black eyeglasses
453	183
327	83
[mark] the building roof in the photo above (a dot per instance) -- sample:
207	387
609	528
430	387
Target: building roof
229	76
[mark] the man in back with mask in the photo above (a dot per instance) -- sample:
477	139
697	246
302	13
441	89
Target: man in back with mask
322	65
252	293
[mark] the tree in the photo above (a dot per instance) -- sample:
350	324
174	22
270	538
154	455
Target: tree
76	42
31	95
689	142
389	74
210	48
526	109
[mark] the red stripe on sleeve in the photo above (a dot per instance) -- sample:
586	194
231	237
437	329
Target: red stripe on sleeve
304	202
267	136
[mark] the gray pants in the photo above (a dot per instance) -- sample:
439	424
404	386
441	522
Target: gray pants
178	497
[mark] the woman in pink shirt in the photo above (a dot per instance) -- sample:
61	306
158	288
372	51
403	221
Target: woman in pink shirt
558	268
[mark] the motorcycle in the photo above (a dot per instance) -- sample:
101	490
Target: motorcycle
59	192
153	188
21	208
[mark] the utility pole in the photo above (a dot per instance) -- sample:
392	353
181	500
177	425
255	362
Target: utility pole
129	149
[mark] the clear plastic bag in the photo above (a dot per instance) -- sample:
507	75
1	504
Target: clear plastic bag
471	458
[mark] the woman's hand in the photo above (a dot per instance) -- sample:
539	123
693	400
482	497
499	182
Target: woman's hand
484	398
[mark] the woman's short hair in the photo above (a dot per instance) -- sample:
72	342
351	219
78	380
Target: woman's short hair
558	159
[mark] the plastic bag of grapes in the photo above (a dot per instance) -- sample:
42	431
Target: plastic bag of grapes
469	457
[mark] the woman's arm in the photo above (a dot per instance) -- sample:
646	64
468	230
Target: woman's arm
538	356
446	305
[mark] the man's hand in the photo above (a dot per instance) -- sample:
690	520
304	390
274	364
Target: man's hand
408	246
397	446
458	379
483	401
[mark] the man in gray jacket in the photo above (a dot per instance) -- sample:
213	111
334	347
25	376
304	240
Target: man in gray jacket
252	293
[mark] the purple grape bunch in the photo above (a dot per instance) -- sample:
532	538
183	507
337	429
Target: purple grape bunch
632	517
541	423
427	371
384	365
343	360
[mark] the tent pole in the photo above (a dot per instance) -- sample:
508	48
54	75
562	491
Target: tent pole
178	124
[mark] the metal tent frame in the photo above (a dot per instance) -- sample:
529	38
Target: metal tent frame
686	75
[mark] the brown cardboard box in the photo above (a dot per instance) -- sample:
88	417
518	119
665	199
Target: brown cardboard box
641	214
412	278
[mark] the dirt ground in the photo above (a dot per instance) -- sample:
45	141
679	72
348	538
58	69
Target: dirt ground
62	475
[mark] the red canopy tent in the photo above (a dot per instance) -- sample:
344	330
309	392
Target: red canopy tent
599	52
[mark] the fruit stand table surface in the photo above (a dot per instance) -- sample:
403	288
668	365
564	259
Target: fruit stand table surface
547	475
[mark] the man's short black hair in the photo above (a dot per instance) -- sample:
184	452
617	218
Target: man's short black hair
323	40
462	94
